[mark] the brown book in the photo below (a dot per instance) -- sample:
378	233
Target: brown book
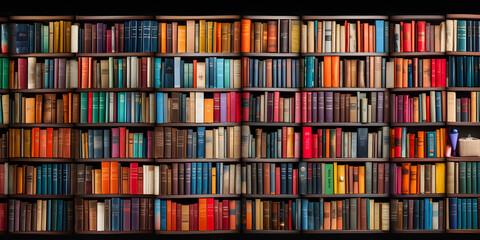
47	108
266	215
336	107
159	142
163	179
75	108
266	178
143	213
174	142
174	178
38	108
274	216
29	180
92	215
53	117
168	142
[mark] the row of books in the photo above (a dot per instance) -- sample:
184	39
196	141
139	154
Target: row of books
421	107
33	73
463	108
198	107
127	72
128	36
336	178
213	72
115	143
39	142
344	107
463	71
116	178
207	214
270	107
199	36
411	178
199	142
39	179
271	73
273	214
420	72
114	214
39	37
370	72
283	142
341	143
463	177
271	178
261	36
418	213
42	108
40	216
348	36
190	178
462	35
462	213
419	144
418	36
345	214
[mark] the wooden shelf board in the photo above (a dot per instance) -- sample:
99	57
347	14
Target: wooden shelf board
270	124
225	124
417	160
347	54
93	196
39	196
343	124
195	196
113	18
198	89
416	89
90	160
114	90
197	232
345	17
278	160
417	17
271	55
42	55
117	54
198	17
345	195
432	195
359	160
200	55
268	196
173	160
417	54
342	89
265	89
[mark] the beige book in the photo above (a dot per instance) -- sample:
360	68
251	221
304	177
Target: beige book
377	216
338	41
334	36
442	37
304	39
237	73
100	216
342	38
310	36
44	215
200	74
190	31
450	177
449	35
199	102
385	212
353	109
185	217
208	143
352	38
31	64
455	35
39	214
451	106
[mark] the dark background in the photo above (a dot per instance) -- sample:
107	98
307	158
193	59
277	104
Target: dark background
241	7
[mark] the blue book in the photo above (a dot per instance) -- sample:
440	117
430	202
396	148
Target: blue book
451	71
304	214
255	80
39	179
251	72
464	213
60	179
177	72
115	214
159	107
49	179
163	215
274	73
459	213
302	178
438	106
379	35
106	143
310	216
289	178
204	178
49	214
284	73
207	72
60	215
169	73
22	38
66	178
226	74
474	213
461	35
309	75
209	179
147	36
97	143
157	72
201	142
453	213
199	178
220	73
47	71
133	36
128	106
154	37
460	70
431	144
468	71
193	183
54	178
156	212
469	213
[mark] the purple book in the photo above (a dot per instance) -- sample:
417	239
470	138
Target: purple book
314	107
393	102
223	107
188	175
61	72
17	215
126	214
99	37
400	108
321	108
55	73
150	144
328	106
380	107
135	224
115	142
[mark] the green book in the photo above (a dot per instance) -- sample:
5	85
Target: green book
5	73
135	145
101	108
462	177
461	35
190	75
329	178
95	102
474	177
185	75
469	177
84	107
54	215
45	39
140	145
110	72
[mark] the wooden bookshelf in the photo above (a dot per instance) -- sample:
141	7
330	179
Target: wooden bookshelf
262	89
41	160
463	159
272	124
172	160
40	18
114	90
343	124
347	54
40	233
195	196
273	160
417	17
418	124
103	125
197	17
199	55
198	232
352	160
345	17
345	231
225	124
360	195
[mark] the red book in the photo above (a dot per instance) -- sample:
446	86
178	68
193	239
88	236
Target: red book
191	219
90	107
220	215
225	222
216	107
238	108
314	145
210	216
179	217
407	37
398	142
421	36
195	216
298	107
295	181
338	150
438	72
22	73
195	73
109	41
412	144
433	70
444	72
428	108
144	72
245	106
284	142
304	107
320	143
174	216
134	178
215	214
276	103
49	142
277	180
231	106
307	142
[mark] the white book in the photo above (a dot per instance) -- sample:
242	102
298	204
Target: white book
449	33
31	63
342	38
100	216
421	189
176	72
338	39
145	179
134	72
432	107
442	37
352	38
199	102
74	38
334	36
111	108
156	182
328	36
434	215
129	71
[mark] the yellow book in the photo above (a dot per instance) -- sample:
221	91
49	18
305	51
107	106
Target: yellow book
473	109
295	25
190	36
438	142
210	37
340	179
202	36
439	177
214	180
208	110
61	37
335	174
185	217
30	110
451	106
361	179
56	40
181	46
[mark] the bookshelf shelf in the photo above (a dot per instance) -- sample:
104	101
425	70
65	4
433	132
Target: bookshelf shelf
195	196
347	54
41	18
114	90
346	17
91	160
97	196
277	160
198	17
462	124
463	159
462	16
463	195
343	124
431	195
197	232
41	233
464	231
198	89
42	90
42	160
172	160
416	89
112	232
116	54
113	18
418	124
272	124
3	196
417	17
271	55
417	160
100	125
258	89
359	160
39	196
268	196
4	125
462	53
42	55
419	231
346	195
343	89
463	89
269	17
227	124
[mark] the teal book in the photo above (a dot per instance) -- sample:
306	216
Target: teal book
84	107
461	35
137	106
474	213
220	73
190	75
60	213
49	214
39	179
158	73
227	73
5	73
309	75
135	145
469	71
49	179
121	107
140	145
54	179
431	144
379	35
469	213
469	177
120	73
45	39
54	214
101	107
95	102
329	178
186	67
159	107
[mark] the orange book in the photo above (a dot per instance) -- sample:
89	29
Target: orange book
182	34
371	39
202	214
218	37
67	133
406	178
163	37
169	215
361	179
327	144
335	71
231	218
326	215
113	177
248	214
97	181
130	145
421	144
49	143
19	179
406	62
272	36
339	215
438	142
366	38
36	142
413	179
245	38
85	69
125	180
327	72
105	177
208	110
359	37
30	110
174	216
